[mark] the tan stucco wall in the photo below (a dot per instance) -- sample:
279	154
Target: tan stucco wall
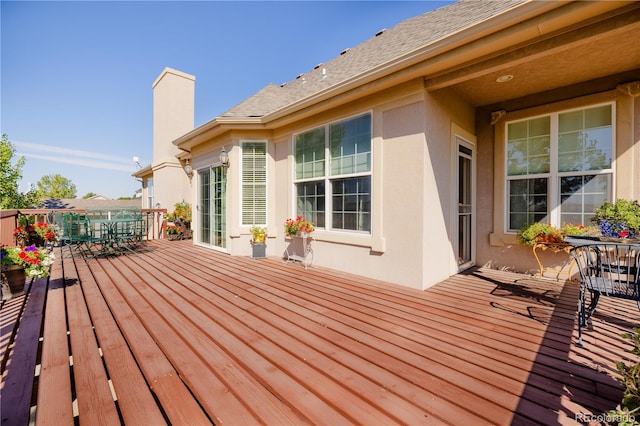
446	113
410	239
414	229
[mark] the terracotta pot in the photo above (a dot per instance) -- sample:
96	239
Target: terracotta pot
549	239
16	277
36	240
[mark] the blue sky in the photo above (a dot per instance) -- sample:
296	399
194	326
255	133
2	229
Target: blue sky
76	76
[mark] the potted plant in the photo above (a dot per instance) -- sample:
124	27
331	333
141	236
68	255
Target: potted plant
299	248
39	234
19	262
181	216
259	233
258	246
618	220
174	232
298	225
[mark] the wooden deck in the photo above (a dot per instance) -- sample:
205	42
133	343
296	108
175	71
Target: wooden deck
185	335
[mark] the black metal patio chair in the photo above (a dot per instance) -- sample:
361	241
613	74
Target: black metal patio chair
606	269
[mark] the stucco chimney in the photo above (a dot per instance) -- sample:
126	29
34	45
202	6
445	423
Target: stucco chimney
173	112
173	116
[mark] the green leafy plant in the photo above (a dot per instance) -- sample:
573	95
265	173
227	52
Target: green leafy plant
629	408
547	233
539	232
10	175
259	233
181	213
577	230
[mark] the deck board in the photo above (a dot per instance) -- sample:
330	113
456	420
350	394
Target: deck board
211	338
54	396
18	374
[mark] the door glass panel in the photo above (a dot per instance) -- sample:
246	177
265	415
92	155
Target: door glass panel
204	206
219	207
465	206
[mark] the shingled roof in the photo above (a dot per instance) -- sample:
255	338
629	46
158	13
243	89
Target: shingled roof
383	48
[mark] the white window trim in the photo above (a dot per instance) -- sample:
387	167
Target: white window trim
553	175
328	178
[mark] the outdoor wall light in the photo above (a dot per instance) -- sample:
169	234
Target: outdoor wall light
224	158
504	78
188	169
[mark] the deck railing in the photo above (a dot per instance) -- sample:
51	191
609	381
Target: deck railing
9	219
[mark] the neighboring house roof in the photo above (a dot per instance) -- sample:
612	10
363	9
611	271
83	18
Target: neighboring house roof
385	47
81	203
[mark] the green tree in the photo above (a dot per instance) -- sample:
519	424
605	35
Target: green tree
89	195
56	186
10	176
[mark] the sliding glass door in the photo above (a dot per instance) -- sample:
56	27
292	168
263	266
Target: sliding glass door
212	207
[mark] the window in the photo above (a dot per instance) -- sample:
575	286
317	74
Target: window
559	167
333	174
149	182
254	183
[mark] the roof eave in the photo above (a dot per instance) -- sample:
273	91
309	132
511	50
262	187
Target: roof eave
143	172
216	127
